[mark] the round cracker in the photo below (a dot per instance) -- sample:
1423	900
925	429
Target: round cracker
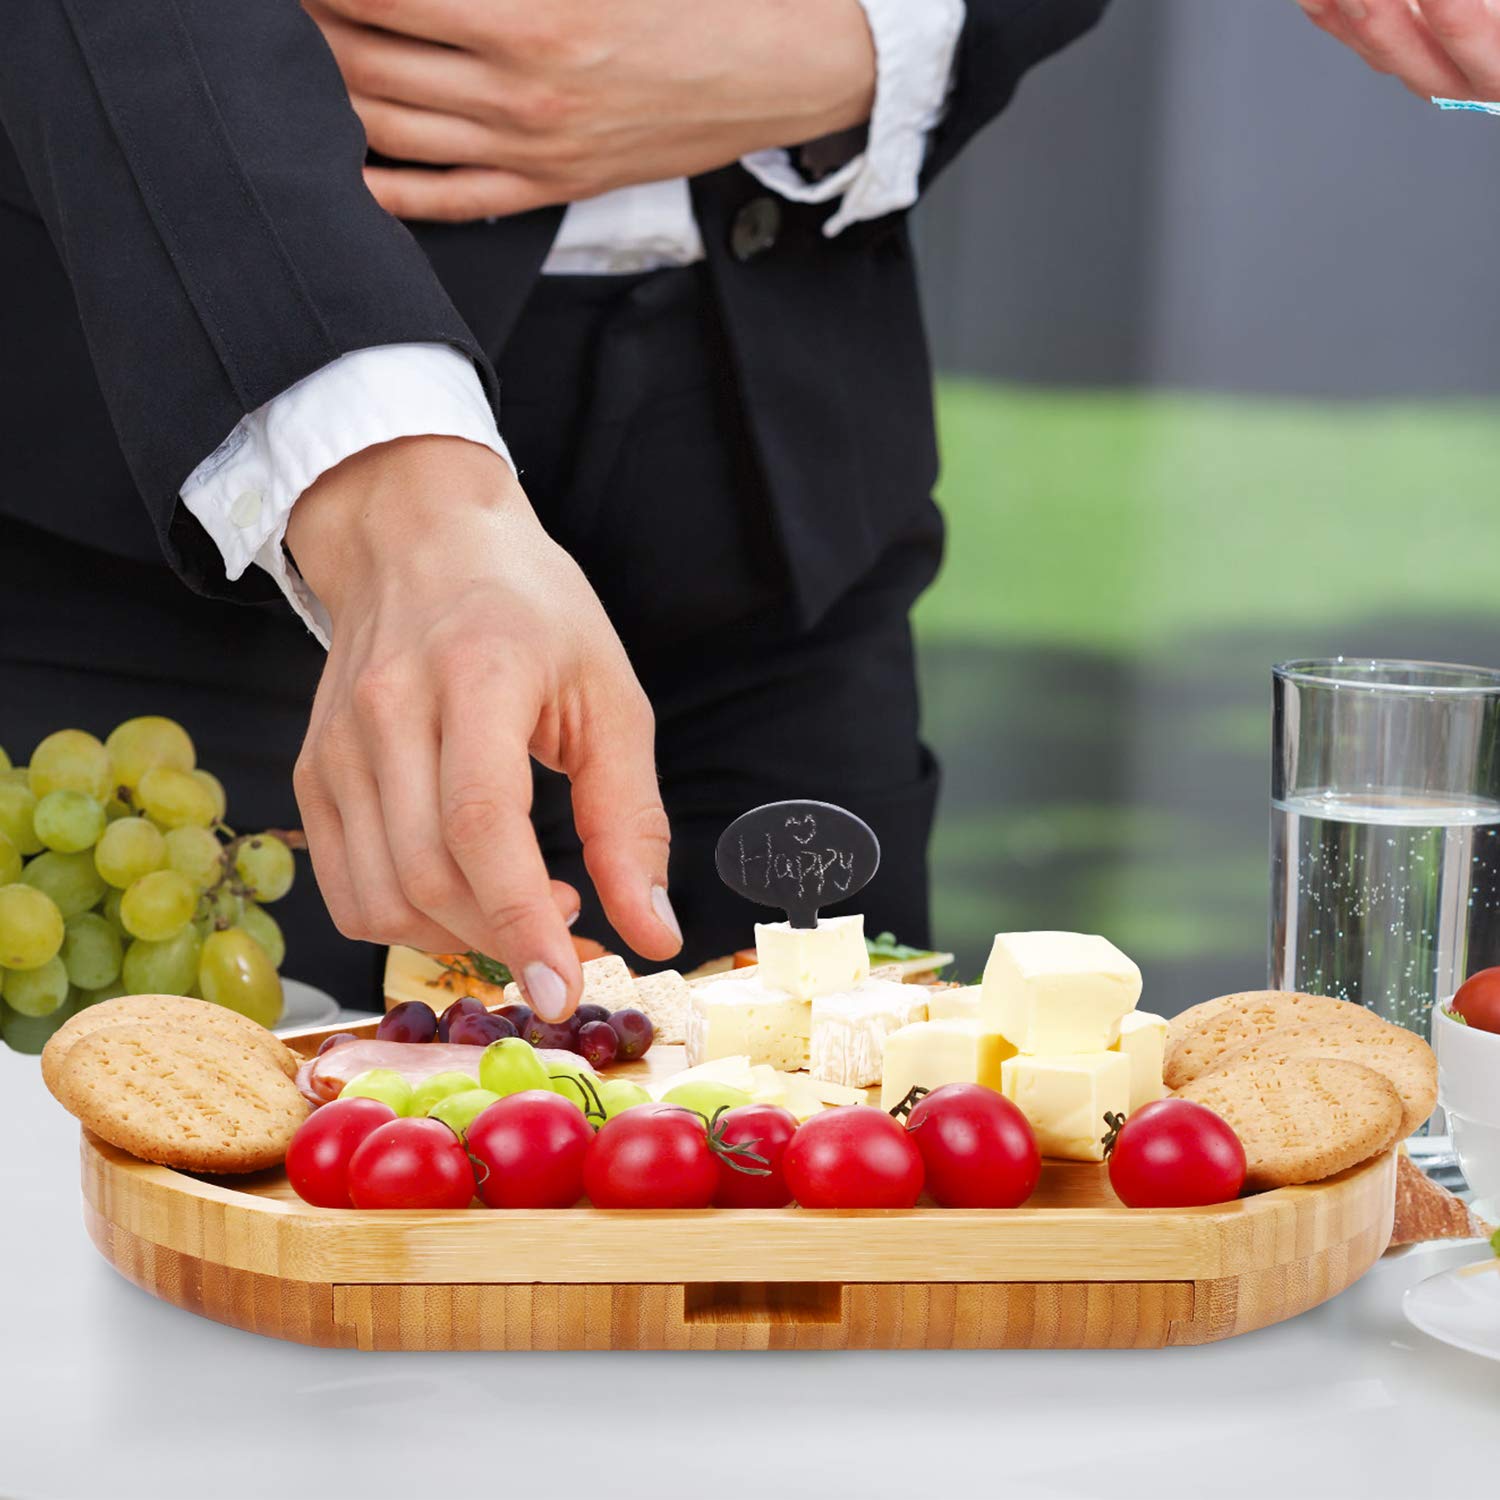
1207	1044
1303	1119
199	1104
1400	1055
1196	1015
195	1017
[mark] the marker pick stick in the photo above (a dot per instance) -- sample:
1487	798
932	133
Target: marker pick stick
798	856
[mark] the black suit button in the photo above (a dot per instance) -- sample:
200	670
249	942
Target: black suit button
755	228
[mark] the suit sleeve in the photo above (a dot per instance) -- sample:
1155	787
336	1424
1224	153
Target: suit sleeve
197	165
1001	40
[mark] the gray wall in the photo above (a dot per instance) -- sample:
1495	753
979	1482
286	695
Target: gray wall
1212	194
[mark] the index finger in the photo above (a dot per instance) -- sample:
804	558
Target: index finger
485	790
1469	32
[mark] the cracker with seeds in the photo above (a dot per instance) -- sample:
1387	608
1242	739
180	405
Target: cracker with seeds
197	1103
1400	1055
665	997
196	1018
1251	1017
1303	1119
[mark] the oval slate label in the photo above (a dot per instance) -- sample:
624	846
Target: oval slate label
798	856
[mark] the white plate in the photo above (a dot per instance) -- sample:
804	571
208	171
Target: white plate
1461	1307
304	1005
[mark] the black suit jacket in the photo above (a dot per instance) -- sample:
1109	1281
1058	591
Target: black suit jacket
184	233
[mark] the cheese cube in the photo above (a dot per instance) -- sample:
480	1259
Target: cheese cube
953	1005
1067	1097
932	1053
1053	992
1143	1039
828	959
849	1030
743	1016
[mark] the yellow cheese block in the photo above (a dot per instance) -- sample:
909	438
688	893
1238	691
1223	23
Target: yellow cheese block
1067	1097
1143	1039
953	1005
734	1017
806	962
1055	992
932	1053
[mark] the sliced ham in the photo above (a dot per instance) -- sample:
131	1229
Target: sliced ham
321	1079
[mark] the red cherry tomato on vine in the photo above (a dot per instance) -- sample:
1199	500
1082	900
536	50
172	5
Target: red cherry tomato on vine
1176	1154
317	1161
530	1148
765	1129
1478	1000
411	1164
978	1148
854	1156
651	1156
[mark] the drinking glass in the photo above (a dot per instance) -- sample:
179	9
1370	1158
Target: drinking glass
1385	831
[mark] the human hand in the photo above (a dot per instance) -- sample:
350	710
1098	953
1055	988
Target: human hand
1444	48
464	642
525	104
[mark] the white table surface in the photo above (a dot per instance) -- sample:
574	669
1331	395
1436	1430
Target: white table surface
108	1394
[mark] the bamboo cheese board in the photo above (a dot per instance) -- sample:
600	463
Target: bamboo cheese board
1072	1269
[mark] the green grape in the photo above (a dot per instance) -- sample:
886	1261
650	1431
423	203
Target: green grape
510	1066
38	991
70	879
173	799
4	759
158	905
10	861
29	1034
17	807
234	971
111	910
215	790
31	927
71	760
196	853
114	809
139	744
266	931
112	991
218	911
433	1090
128	849
384	1084
91	951
18	774
265	866
459	1111
165	968
68	821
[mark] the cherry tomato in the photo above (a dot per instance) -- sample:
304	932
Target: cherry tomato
855	1156
978	1149
766	1129
651	1156
530	1149
411	1164
1478	1000
317	1161
1176	1154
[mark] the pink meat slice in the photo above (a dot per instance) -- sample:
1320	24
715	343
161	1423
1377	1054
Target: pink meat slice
322	1078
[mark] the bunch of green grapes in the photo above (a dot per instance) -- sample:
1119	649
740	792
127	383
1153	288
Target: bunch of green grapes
118	876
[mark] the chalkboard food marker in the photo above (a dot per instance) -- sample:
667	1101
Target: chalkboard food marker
798	857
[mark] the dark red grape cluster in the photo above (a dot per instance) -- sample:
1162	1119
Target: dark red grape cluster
600	1036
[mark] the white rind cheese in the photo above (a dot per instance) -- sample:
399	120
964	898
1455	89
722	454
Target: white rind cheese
1143	1039
1054	992
847	1045
732	1017
1067	1098
806	962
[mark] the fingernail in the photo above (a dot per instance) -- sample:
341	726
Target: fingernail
661	904
575	916
546	993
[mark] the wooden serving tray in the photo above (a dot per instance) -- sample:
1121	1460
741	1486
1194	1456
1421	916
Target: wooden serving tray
1072	1269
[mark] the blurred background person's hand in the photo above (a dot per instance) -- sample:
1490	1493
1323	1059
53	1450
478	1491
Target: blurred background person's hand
1444	48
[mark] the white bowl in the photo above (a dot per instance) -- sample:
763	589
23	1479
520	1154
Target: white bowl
1469	1091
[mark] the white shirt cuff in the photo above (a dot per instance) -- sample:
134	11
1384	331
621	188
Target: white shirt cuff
243	492
914	45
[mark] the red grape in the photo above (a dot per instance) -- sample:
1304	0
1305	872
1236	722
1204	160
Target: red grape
635	1031
336	1040
411	1021
469	1030
590	1012
562	1036
516	1013
598	1042
465	1005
